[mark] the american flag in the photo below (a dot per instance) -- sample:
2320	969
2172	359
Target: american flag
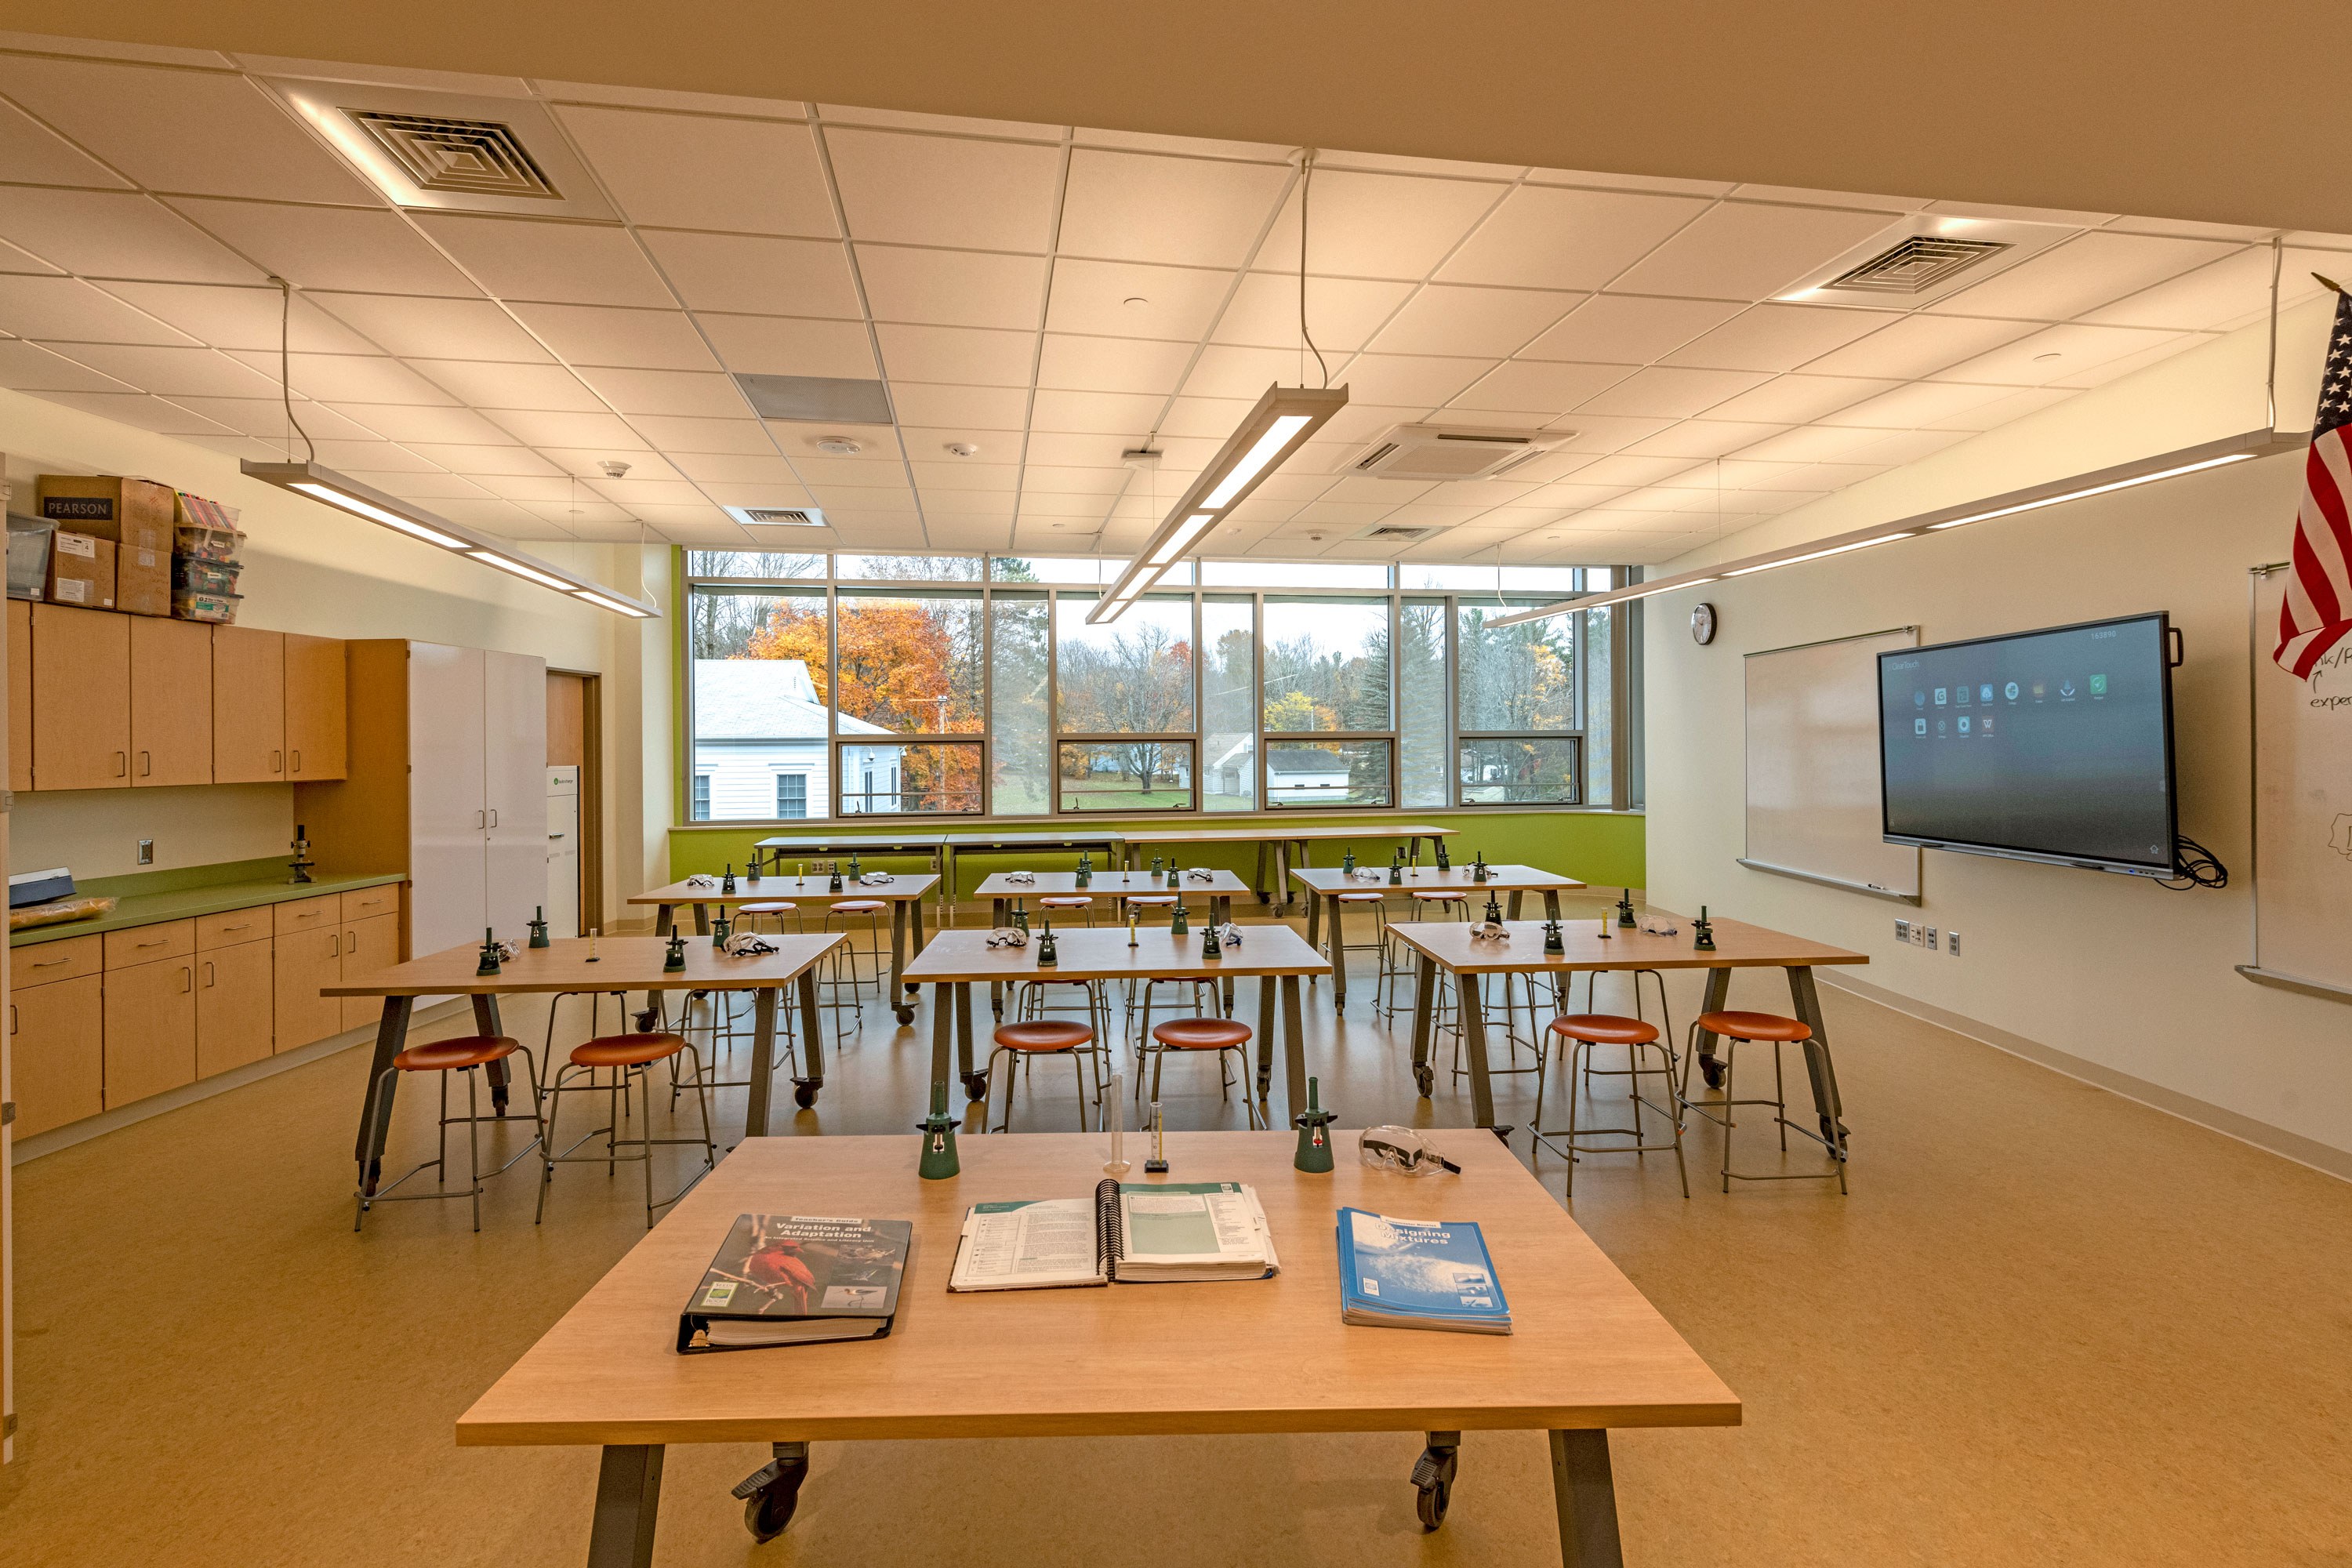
2317	614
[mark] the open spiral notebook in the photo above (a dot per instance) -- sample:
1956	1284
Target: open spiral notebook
1137	1232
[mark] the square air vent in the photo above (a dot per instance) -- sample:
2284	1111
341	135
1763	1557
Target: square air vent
778	516
819	399
484	157
1918	264
1394	532
1442	452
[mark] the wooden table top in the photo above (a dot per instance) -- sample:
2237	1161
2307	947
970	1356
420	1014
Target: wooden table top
1109	885
1270	1355
1102	953
784	887
868	843
1276	832
623	963
1073	839
1737	945
1499	879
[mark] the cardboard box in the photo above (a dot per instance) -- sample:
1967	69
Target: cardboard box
136	512
142	581
81	571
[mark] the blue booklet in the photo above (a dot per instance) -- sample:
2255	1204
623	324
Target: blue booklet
1418	1274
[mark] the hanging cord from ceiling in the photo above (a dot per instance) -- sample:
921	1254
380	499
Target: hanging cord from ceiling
1306	187
285	383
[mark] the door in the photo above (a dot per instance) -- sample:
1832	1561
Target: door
563	851
315	705
303	961
57	1059
248	706
515	788
81	699
368	945
20	695
151	1029
235	1006
170	702
448	821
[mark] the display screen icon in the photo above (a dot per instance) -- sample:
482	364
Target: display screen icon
1942	696
1987	725
1919	726
1984	693
2098	686
1964	723
2009	691
1920	697
2066	687
2038	687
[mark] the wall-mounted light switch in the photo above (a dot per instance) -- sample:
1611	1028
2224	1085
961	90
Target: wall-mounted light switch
146	852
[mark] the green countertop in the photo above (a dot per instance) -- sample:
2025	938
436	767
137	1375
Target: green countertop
155	897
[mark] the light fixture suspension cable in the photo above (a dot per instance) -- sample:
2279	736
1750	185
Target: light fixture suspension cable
2269	381
1306	186
285	383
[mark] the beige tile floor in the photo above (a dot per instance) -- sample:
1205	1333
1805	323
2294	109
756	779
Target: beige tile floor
2049	1326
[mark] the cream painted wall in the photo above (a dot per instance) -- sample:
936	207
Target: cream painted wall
310	569
2124	976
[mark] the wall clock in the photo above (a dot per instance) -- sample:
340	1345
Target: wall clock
1703	624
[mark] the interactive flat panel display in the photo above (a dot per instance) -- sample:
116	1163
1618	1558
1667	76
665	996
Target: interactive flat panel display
2050	745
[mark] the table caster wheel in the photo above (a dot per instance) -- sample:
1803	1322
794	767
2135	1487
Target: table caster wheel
906	1015
804	1096
1424	1080
975	1086
1433	1475
1712	1070
772	1494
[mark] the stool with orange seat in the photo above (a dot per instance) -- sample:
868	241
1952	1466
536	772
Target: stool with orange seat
1584	1032
464	1054
1042	1036
627	1057
1222	1035
1732	1028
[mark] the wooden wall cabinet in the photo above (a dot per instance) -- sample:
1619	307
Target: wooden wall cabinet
307	960
316	739
150	1028
57	1032
248	706
236	1006
81	699
170	702
20	695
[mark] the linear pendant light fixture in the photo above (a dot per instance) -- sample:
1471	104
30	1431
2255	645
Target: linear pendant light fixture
346	494
1285	419
2124	476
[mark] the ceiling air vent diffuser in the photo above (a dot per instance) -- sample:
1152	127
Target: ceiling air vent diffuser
1394	533
778	516
483	157
448	152
1917	264
1442	452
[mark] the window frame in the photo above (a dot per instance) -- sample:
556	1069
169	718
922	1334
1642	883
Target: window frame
1458	737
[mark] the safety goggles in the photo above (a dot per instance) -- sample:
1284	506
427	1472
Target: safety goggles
1401	1149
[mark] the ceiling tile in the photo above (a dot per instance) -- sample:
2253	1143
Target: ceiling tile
264	418
138	411
170	372
242	318
2221	294
2056	353
550	387
1778	337
15	259
947	475
2008	406
757	276
878	469
972	407
952	288
950	124
476	459
417	328
602	431
1120	299
1049	449
1741	251
2086	271
555	487
348	378
1379	226
27	367
36	156
699	171
600	334
1917	345
1444	319
68	310
945	190
963	355
780	345
1919	404
692	393
587	464
1629	329
564	263
105	234
1097	413
929	444
1226	371
632	492
1795	399
741	436
728	467
1703	438
364	251
1042	478
1192	211
145	122
422	487
369	457
1111	364
1214	417
1542	386
1546	238
1589	432
1404	380
1812	444
2114	367
1659	393
1342	314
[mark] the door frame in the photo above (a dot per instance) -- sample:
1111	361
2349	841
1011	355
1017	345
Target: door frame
591	795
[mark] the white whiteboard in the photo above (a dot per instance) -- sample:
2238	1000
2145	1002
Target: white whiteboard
2303	809
1813	766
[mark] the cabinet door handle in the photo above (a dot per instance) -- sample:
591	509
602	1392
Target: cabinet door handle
12	1018
187	978
277	761
210	974
159	941
121	765
335	945
297	756
481	819
146	764
45	963
494	816
241	925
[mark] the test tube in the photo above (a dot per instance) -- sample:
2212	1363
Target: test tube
1115	1107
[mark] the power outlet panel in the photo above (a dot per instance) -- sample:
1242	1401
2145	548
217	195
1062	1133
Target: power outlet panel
1952	942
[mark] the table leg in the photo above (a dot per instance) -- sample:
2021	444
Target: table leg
1339	961
906	1013
763	1059
375	1108
1818	1065
486	1022
804	1089
702	920
942	1038
628	1496
1258	873
1586	1497
1314	917
1294	1045
1718	992
975	1084
1424	1009
1282	874
999	918
1266	989
1551	903
1511	909
665	915
1473	1045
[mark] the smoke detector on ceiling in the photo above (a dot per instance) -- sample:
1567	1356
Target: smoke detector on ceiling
614	468
962	449
778	516
1446	452
839	445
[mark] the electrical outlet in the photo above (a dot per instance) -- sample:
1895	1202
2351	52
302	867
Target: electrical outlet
1931	939
146	852
1952	942
1903	931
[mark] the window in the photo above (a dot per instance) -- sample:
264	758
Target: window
792	794
1514	692
1124	706
1229	703
702	798
1327	671
759	662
